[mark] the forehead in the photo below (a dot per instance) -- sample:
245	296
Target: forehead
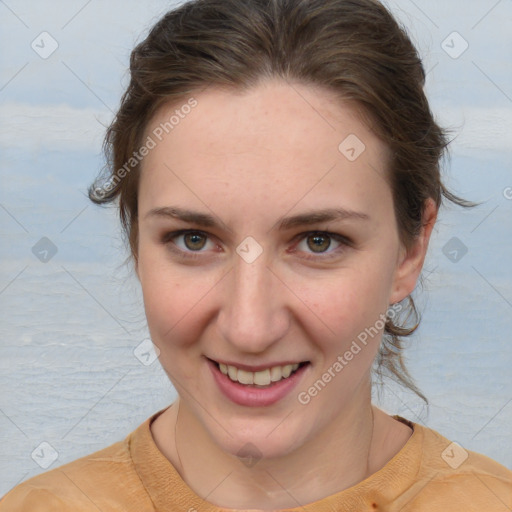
280	141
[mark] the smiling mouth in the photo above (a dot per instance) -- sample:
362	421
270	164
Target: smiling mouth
260	379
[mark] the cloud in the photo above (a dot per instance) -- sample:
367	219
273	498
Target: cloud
52	127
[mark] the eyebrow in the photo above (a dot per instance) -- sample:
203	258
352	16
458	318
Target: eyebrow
286	223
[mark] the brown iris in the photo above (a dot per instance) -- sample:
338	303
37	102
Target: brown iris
194	241
320	242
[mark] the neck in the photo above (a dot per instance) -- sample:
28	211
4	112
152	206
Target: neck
343	448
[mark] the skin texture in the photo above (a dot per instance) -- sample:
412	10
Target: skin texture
248	159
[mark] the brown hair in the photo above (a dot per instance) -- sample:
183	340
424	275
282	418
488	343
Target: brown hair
352	47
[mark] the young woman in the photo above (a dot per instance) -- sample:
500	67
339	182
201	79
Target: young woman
277	171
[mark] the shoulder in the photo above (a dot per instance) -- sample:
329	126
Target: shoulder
90	483
453	478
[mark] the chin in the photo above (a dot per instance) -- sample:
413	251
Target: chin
254	439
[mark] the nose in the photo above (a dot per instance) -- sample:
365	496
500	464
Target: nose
253	314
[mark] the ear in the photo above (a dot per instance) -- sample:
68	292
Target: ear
410	262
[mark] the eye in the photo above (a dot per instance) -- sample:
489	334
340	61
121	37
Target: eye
187	242
317	243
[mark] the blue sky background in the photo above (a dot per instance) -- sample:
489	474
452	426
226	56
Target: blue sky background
69	327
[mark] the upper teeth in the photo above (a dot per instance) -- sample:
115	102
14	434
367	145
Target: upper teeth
262	378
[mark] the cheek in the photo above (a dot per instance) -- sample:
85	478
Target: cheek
168	304
171	310
349	311
159	290
347	304
173	301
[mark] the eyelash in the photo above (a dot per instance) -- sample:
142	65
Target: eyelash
168	238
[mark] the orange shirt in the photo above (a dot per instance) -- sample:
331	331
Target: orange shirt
428	474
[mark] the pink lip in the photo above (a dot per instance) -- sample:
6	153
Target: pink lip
251	396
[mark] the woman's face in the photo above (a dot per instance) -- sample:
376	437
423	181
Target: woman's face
267	237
